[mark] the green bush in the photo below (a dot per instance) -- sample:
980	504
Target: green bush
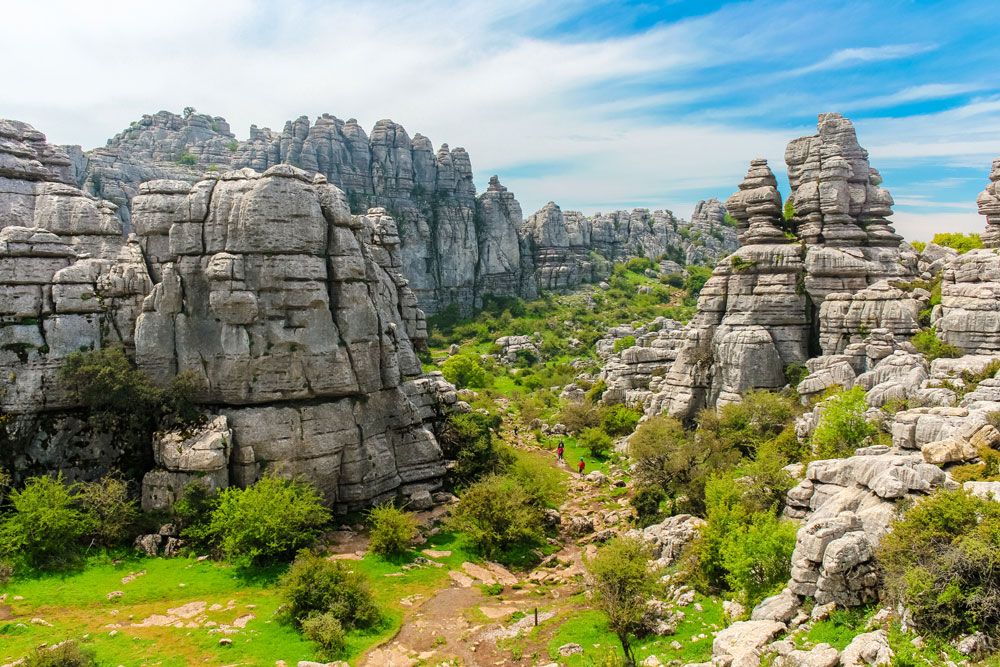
623	344
498	515
326	630
941	561
112	512
620	420
595	441
758	418
842	426
465	372
268	521
678	462
928	344
740	549
66	654
193	514
315	585
545	484
122	400
186	158
45	525
392	530
639	264
579	415
963	243
697	276
646	503
469	440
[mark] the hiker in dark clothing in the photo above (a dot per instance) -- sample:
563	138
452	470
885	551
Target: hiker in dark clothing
559	452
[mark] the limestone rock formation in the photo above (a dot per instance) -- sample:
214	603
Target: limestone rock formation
849	504
456	249
795	289
291	313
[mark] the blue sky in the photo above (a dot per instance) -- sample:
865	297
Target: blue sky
593	105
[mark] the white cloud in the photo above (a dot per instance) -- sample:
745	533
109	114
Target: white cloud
923	226
863	55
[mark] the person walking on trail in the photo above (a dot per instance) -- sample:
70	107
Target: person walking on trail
559	452
581	465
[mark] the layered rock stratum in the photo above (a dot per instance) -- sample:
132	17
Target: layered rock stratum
291	313
456	248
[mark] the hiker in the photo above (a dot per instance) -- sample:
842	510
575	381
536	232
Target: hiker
559	452
581	465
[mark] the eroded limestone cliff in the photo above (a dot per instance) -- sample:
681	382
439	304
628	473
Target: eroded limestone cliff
290	311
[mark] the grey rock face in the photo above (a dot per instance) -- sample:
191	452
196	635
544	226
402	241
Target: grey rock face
456	249
785	297
290	311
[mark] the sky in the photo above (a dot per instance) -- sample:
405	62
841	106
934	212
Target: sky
593	105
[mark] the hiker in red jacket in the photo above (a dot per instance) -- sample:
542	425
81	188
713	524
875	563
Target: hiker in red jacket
581	465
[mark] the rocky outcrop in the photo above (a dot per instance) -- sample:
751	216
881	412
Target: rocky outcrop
849	505
289	313
970	286
455	248
799	288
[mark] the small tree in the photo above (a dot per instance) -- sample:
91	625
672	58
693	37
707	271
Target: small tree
393	530
112	512
46	525
314	585
268	521
465	372
842	425
498	515
623	582
597	442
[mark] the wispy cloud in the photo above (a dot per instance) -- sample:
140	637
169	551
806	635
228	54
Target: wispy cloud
573	102
864	55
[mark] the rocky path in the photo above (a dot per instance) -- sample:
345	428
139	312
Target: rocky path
464	625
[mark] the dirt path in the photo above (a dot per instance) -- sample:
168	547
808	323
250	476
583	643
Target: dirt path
461	625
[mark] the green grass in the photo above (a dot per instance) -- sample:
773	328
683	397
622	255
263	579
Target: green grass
574	451
76	605
839	628
589	629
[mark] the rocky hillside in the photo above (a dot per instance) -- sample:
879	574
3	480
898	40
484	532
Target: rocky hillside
455	247
288	313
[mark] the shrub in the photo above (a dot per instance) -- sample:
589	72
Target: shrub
740	549
66	654
595	392
963	243
788	212
468	440
623	583
122	400
941	560
646	503
465	371
393	530
928	344
639	264
268	521
545	484
795	373
759	417
697	276
187	158
623	344
193	514
668	457
620	420
498	514
112	512
842	426
326	630
45	527
578	415
595	441
314	585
